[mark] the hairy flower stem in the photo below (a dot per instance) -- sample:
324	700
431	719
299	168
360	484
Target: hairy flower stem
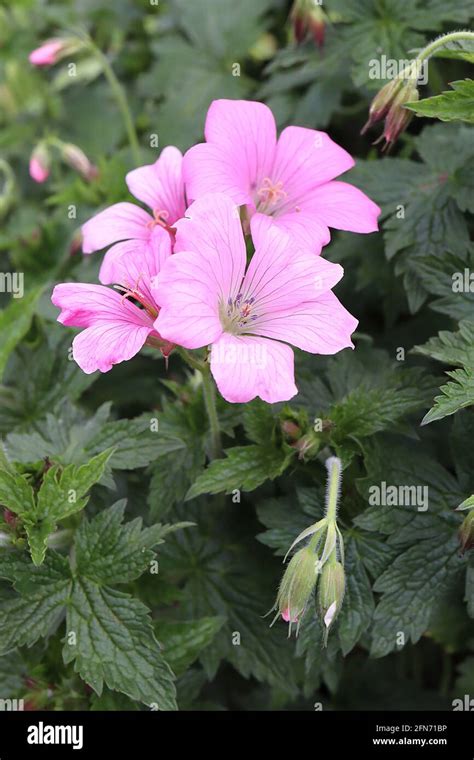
120	99
430	49
209	391
334	479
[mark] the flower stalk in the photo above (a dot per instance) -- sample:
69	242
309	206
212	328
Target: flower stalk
320	560
390	101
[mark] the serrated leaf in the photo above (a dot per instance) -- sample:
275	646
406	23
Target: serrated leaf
244	468
456	395
114	643
15	492
62	493
183	641
108	551
451	347
358	606
38	607
411	588
452	105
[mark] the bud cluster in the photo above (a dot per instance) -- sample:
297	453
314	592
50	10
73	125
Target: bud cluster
320	563
389	104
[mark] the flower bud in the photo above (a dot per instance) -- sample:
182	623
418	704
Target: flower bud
331	591
40	162
399	117
381	103
466	532
307	16
53	50
297	586
77	159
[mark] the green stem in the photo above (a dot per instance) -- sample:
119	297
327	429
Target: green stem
334	476
428	51
190	360
121	100
210	401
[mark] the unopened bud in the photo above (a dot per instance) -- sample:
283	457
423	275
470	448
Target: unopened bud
291	430
297	586
308	17
53	50
331	592
40	163
77	159
399	117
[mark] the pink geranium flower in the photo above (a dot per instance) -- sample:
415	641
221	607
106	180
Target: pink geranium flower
160	186
289	182
115	328
248	317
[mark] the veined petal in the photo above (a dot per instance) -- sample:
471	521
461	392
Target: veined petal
305	159
245	366
322	326
161	185
188	294
122	221
133	263
245	133
282	276
115	330
342	206
213	229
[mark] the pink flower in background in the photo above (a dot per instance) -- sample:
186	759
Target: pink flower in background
249	317
48	53
38	170
289	181
40	162
115	329
160	186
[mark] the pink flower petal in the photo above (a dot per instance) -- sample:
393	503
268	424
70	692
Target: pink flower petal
135	263
187	292
342	206
246	366
282	276
305	159
122	221
322	326
212	227
115	331
160	185
241	140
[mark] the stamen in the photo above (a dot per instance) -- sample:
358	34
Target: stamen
271	193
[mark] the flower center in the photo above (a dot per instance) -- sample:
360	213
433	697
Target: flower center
136	294
160	217
269	195
236	315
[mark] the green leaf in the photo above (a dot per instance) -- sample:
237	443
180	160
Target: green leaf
37	609
183	642
466	504
15	321
109	552
244	468
456	395
62	493
358	606
411	589
110	638
451	347
15	492
453	105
